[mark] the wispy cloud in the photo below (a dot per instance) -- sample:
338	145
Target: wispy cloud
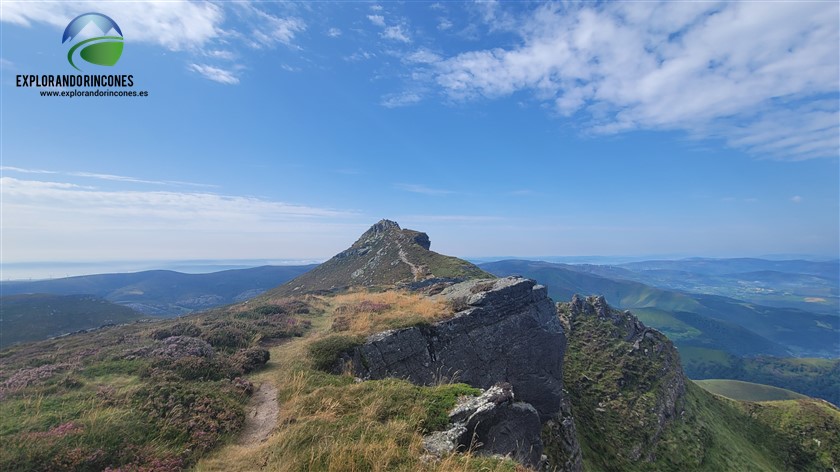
208	30
762	76
100	176
796	199
216	74
102	224
400	99
175	25
271	29
333	32
378	20
26	171
396	33
422	189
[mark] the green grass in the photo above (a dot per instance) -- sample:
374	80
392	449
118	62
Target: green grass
747	391
616	390
692	354
664	321
816	378
39	316
811	429
123	397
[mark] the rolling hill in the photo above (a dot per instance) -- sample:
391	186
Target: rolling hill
709	321
163	292
39	316
805	285
747	391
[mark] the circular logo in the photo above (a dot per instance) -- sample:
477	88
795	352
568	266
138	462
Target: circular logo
102	50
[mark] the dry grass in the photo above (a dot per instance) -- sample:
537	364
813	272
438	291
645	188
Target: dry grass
334	423
365	313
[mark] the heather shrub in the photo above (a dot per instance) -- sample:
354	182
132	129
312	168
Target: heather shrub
248	360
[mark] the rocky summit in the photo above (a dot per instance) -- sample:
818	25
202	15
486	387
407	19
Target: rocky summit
384	256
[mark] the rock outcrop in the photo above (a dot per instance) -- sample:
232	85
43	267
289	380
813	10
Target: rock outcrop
492	423
623	377
384	256
506	331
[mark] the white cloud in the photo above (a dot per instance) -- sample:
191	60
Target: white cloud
99	176
270	29
63	221
796	199
400	99
422	189
360	55
376	7
444	24
423	56
220	54
215	74
333	32
378	20
397	33
175	25
763	76
25	171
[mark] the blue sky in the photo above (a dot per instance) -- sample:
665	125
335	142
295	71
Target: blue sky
284	130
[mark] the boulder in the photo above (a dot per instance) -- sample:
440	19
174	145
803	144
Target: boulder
492	424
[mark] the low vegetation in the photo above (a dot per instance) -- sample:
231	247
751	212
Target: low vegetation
614	389
141	396
167	395
817	378
40	316
747	391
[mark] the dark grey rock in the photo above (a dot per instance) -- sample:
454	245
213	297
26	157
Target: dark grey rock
492	424
508	331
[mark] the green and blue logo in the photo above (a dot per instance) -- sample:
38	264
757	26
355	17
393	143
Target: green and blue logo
100	50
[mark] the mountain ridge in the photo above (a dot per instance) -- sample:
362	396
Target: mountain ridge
383	256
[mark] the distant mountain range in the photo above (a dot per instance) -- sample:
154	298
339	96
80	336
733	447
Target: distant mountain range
691	319
807	285
165	292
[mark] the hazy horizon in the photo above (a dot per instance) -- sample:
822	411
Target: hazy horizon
284	130
44	270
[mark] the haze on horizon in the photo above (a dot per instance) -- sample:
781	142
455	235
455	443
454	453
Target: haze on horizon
283	131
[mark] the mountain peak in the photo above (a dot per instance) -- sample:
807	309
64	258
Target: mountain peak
384	255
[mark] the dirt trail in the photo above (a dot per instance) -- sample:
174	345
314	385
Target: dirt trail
261	416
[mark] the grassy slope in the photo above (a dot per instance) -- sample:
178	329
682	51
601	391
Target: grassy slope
747	391
613	389
115	398
811	429
331	422
39	316
814	377
105	399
